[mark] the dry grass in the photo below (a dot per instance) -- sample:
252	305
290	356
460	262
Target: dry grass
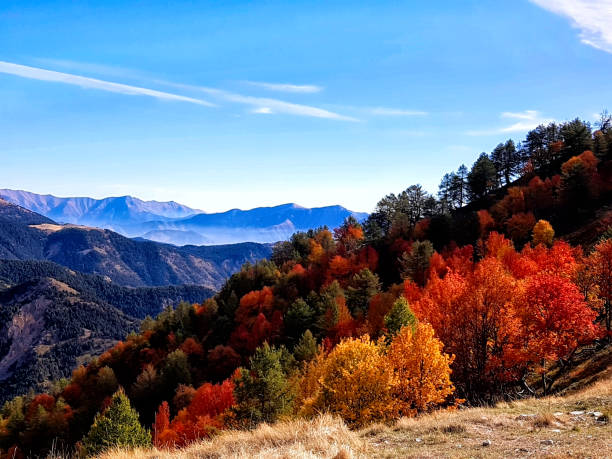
322	437
541	427
532	427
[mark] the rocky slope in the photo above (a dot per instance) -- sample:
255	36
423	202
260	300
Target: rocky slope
47	328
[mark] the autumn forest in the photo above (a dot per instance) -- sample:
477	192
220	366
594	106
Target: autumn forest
461	298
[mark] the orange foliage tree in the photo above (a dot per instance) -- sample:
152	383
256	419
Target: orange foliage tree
421	370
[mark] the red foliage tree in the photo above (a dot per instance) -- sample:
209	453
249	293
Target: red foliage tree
555	318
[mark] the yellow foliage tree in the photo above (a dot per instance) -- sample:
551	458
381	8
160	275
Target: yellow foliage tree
421	370
364	381
543	233
355	382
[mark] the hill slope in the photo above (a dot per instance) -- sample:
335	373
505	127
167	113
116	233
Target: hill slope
53	318
136	302
26	235
47	328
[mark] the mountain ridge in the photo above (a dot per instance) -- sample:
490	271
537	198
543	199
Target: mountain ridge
173	223
25	235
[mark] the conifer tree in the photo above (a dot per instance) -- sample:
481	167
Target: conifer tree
399	316
263	392
118	426
415	263
306	348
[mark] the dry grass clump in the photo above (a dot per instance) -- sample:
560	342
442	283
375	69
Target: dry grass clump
543	419
321	437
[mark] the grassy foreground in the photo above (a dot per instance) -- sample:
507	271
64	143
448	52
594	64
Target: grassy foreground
575	425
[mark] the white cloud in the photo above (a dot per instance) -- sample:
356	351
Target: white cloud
527	120
93	83
270	105
286	87
88	67
526	115
384	111
592	17
262	111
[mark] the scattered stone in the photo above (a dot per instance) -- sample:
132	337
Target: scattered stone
418	440
576	413
547	442
556	430
525	417
523	450
486	443
558	413
459	446
595	413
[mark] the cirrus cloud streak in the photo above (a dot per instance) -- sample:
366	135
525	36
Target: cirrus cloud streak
36	73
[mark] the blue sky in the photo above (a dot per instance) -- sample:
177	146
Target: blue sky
241	104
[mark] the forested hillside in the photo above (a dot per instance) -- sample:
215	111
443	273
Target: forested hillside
136	302
463	298
53	318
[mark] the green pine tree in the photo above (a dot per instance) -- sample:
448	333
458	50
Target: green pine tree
306	348
118	426
263	392
399	316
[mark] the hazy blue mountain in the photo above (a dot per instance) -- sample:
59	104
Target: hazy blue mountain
111	213
176	224
129	262
262	224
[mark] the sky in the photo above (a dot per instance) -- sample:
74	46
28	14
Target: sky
238	104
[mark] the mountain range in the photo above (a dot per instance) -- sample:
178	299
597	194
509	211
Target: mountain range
173	223
26	235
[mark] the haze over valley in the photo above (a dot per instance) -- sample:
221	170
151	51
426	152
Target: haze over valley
173	223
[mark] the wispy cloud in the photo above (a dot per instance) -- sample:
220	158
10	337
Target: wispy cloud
93	83
526	115
88	68
592	17
525	121
385	111
260	105
265	105
286	87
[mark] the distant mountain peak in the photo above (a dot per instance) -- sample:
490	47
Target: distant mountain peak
177	224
